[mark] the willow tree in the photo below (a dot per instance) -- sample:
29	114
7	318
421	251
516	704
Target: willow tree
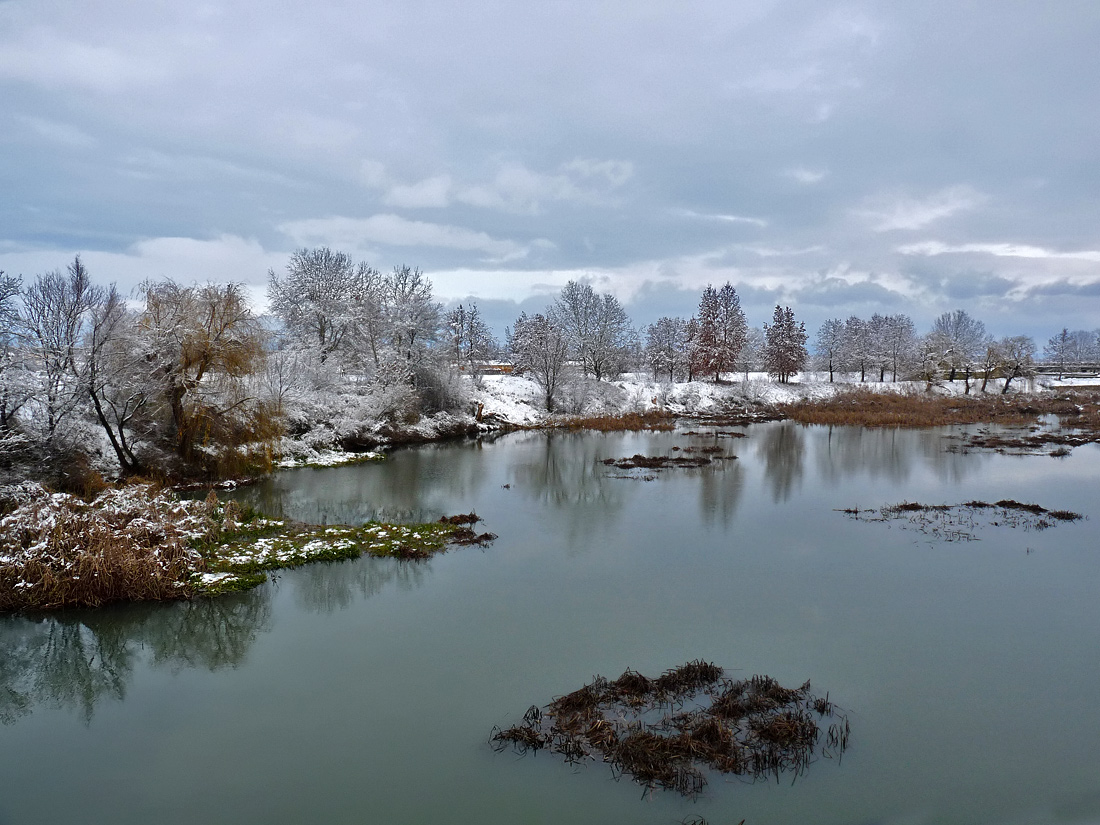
204	346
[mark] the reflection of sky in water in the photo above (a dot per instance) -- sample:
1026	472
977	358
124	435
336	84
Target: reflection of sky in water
374	683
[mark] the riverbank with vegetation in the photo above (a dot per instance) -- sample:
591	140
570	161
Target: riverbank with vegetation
139	541
142	543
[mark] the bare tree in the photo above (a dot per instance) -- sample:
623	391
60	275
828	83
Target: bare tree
116	374
412	315
666	347
962	340
857	350
1017	358
829	345
1059	351
56	307
471	342
597	328
540	346
326	300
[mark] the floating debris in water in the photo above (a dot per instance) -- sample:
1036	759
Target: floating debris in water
662	462
665	732
961	522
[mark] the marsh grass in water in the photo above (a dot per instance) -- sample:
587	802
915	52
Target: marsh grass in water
665	732
143	543
962	522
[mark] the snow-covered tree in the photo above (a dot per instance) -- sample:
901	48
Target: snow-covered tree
470	341
118	379
898	343
597	328
55	309
412	314
785	345
829	346
961	340
751	356
721	331
1017	358
203	345
1059	351
327	301
15	378
540	346
857	348
666	347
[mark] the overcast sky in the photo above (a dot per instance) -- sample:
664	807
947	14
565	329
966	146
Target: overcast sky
840	158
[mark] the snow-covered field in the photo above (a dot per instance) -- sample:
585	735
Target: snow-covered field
518	400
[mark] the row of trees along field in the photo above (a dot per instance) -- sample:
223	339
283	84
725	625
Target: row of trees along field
187	381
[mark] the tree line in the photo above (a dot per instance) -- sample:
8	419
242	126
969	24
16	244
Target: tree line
182	380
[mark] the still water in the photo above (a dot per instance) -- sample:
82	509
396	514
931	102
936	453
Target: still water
365	691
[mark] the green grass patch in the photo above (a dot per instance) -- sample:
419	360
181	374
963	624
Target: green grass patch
238	560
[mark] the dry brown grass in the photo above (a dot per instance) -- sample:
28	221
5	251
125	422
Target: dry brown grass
649	420
861	407
57	551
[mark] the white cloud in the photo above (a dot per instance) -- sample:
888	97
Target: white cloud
514	187
430	192
888	213
1000	250
43	58
723	218
806	176
62	134
393	230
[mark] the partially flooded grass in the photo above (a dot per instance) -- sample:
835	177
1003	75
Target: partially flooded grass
753	728
141	543
660	420
962	522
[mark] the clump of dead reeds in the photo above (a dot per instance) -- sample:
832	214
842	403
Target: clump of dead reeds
961	522
133	543
657	462
750	728
632	421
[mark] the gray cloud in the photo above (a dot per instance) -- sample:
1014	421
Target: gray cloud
849	156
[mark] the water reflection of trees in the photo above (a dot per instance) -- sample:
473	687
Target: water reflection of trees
888	454
782	448
79	659
416	484
325	588
565	471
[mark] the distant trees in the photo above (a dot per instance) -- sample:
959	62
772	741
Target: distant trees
596	327
541	347
1017	357
327	301
785	345
721	331
829	346
961	340
469	339
1060	350
666	348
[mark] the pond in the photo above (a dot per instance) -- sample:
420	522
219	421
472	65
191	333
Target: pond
366	691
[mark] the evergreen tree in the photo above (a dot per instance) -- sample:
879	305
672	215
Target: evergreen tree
784	345
721	331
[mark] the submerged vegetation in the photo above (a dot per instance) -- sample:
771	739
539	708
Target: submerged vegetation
141	543
961	522
1076	410
665	732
